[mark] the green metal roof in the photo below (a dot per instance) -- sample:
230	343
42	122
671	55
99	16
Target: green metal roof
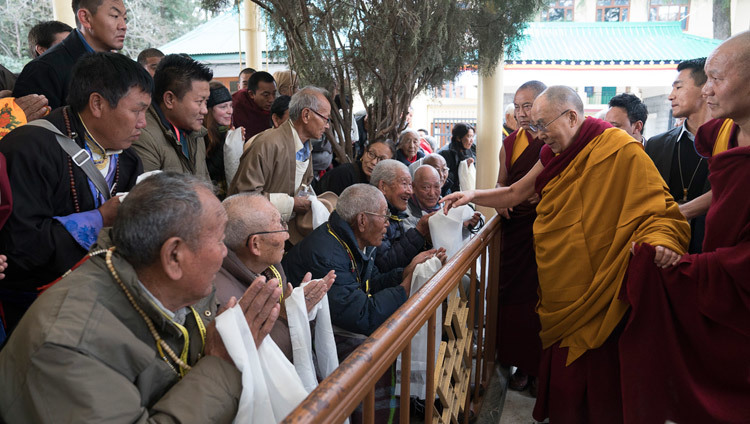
638	42
566	43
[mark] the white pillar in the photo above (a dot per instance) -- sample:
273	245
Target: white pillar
253	57
489	130
63	12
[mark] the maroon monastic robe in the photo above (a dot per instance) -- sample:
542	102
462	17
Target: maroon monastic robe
518	328
685	353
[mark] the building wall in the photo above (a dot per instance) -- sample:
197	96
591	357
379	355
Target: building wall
659	115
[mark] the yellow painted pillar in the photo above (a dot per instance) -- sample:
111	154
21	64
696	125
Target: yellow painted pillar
63	12
253	57
489	130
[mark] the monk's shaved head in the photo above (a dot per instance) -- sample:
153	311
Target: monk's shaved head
726	91
562	97
738	47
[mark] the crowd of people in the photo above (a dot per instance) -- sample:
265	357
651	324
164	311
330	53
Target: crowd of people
128	227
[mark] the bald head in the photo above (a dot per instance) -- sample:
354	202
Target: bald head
247	213
728	69
558	115
438	162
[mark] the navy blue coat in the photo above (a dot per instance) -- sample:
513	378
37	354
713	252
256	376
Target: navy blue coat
400	244
352	309
50	73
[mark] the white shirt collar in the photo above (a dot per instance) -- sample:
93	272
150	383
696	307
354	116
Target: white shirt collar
684	129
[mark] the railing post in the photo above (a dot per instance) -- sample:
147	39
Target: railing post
429	400
405	382
368	409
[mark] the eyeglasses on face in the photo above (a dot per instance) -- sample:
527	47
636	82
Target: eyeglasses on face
328	120
284	229
375	157
384	216
544	127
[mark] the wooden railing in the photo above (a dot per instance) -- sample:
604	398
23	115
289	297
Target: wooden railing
353	381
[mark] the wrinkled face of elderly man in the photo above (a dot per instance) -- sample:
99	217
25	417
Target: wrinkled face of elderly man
555	126
398	191
427	186
727	91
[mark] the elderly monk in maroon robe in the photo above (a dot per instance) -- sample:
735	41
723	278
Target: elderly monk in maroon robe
599	194
518	327
685	353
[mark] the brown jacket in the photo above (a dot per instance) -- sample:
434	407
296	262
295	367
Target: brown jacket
233	279
83	354
159	149
269	165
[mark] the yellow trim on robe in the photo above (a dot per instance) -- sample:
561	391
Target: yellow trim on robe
722	140
519	145
609	196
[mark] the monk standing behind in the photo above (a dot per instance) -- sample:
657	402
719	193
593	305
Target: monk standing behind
518	327
600	193
688	334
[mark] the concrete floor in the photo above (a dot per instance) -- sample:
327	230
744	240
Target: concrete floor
505	406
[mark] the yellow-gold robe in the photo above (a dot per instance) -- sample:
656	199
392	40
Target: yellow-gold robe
609	196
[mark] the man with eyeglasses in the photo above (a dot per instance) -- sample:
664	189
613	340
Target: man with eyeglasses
600	194
401	244
278	162
344	175
362	297
518	342
255	236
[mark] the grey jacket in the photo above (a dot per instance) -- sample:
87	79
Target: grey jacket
159	149
83	354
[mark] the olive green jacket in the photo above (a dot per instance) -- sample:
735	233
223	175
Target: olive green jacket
159	149
82	354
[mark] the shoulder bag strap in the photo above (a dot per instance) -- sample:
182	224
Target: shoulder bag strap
81	157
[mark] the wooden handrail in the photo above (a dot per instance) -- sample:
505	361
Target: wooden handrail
339	394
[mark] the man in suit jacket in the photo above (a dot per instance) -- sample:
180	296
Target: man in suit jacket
673	153
101	27
278	161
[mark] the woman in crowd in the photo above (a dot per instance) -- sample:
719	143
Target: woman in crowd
218	121
408	147
460	148
342	176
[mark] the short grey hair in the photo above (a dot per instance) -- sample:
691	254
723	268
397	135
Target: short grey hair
247	213
422	169
162	206
358	198
385	171
536	87
306	98
407	131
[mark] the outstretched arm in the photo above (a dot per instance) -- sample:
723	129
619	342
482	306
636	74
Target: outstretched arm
500	197
698	206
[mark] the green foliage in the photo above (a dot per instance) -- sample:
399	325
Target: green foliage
391	50
150	24
16	19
